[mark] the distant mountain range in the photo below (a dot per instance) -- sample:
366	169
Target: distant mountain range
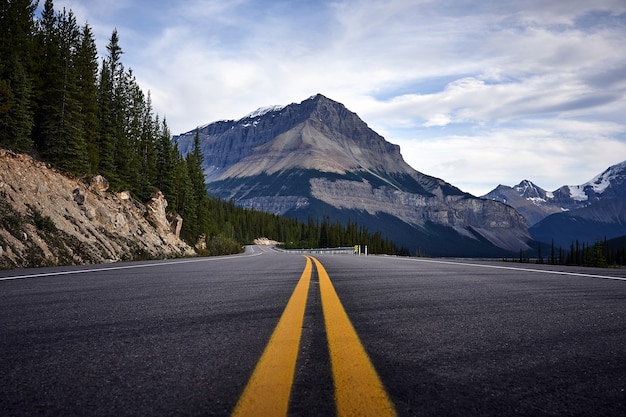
587	212
316	158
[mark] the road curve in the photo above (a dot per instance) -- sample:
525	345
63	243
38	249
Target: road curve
183	337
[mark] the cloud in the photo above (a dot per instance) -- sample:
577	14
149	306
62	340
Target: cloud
550	153
482	91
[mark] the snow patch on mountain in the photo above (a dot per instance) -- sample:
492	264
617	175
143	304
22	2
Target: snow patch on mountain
531	192
613	174
599	184
577	192
262	111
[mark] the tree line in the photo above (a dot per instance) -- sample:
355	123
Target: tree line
86	116
602	254
244	225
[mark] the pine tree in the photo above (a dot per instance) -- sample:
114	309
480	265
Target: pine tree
198	184
186	201
147	150
59	132
72	152
105	139
166	155
128	154
16	66
87	79
48	76
111	107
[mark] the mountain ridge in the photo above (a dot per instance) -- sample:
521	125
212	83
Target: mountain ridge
317	157
587	212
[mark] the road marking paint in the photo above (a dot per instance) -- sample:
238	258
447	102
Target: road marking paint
269	388
358	389
114	268
514	268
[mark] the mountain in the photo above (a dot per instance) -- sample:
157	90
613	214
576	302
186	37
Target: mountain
603	219
585	212
49	218
316	158
531	201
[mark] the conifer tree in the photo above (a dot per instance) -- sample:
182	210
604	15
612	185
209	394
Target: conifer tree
16	88
147	150
185	201
59	129
87	78
111	111
105	139
128	155
198	184
47	76
70	147
166	155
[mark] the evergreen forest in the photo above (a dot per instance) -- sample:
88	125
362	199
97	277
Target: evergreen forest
604	253
88	116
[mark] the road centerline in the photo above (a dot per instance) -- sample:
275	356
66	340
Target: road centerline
269	388
358	389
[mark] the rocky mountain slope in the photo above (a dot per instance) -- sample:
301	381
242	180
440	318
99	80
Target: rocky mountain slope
531	201
317	158
585	212
47	218
603	219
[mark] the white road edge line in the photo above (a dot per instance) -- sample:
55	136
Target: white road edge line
113	268
543	271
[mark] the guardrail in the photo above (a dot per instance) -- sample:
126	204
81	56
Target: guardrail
348	250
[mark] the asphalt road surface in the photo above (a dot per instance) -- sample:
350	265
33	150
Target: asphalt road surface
415	337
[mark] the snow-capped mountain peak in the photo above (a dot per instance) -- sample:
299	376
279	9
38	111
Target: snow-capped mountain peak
530	191
535	203
614	177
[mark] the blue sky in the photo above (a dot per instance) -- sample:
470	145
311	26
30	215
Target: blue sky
478	93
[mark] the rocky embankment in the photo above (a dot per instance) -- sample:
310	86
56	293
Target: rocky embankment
48	218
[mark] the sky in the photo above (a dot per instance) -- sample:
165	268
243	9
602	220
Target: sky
477	93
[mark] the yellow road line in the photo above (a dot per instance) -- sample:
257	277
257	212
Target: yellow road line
269	387
358	389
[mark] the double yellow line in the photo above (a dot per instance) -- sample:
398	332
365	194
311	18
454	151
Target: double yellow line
358	390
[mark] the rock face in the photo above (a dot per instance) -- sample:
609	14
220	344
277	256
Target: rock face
319	159
51	219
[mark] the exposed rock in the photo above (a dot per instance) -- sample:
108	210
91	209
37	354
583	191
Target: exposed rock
156	212
318	134
530	201
123	195
176	223
79	196
263	241
275	204
201	242
52	219
99	184
500	224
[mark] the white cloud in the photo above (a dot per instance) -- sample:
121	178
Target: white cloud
474	92
549	153
438	119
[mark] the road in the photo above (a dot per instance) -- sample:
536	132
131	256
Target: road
439	337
